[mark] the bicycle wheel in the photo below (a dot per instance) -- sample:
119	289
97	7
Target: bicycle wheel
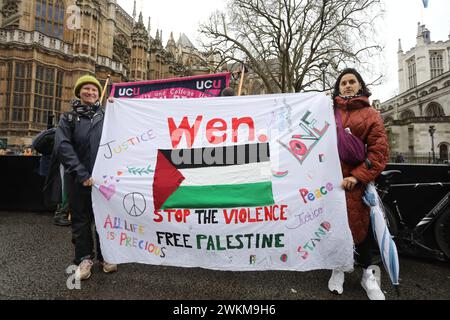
442	232
392	225
391	220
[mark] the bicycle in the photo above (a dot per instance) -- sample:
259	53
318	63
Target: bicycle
417	238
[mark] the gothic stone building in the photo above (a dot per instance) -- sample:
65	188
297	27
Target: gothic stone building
45	45
424	100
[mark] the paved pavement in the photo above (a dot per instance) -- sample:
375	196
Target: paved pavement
34	255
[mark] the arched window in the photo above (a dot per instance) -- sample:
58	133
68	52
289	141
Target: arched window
412	76
407	114
434	110
436	64
433	89
50	17
388	120
443	151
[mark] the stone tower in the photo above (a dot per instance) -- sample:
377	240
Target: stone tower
86	37
139	47
107	29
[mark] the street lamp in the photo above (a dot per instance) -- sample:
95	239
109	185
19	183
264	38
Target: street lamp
323	66
432	130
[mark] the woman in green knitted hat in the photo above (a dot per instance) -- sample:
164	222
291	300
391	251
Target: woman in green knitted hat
77	141
87	79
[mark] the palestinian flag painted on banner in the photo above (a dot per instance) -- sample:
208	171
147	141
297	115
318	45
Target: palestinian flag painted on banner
213	177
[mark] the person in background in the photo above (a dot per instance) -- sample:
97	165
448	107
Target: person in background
399	158
28	152
227	92
55	188
77	148
62	213
351	98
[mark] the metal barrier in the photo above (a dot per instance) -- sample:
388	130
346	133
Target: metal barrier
22	185
413	200
419	157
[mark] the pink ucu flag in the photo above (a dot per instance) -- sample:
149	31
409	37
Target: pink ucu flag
203	86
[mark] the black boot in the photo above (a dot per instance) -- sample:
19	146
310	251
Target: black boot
61	219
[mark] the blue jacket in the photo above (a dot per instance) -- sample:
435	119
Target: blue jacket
77	143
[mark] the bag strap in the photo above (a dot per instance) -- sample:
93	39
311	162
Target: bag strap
72	116
337	115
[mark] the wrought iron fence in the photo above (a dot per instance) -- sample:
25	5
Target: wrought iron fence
419	157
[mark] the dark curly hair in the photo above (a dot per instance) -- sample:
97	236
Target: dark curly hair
364	91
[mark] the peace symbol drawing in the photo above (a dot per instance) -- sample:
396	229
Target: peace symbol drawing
134	204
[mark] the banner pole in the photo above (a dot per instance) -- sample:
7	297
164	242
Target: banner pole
104	89
242	79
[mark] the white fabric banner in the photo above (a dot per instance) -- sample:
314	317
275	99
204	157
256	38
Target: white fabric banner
229	183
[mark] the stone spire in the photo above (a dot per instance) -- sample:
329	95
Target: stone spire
134	12
148	27
171	45
139	31
400	50
139	45
171	41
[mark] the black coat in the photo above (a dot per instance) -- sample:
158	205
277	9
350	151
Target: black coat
77	144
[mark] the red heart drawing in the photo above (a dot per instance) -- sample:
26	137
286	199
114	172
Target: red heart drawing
119	173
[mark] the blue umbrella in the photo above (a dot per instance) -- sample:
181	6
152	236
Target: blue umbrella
386	244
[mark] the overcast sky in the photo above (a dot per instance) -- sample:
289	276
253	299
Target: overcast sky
400	22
